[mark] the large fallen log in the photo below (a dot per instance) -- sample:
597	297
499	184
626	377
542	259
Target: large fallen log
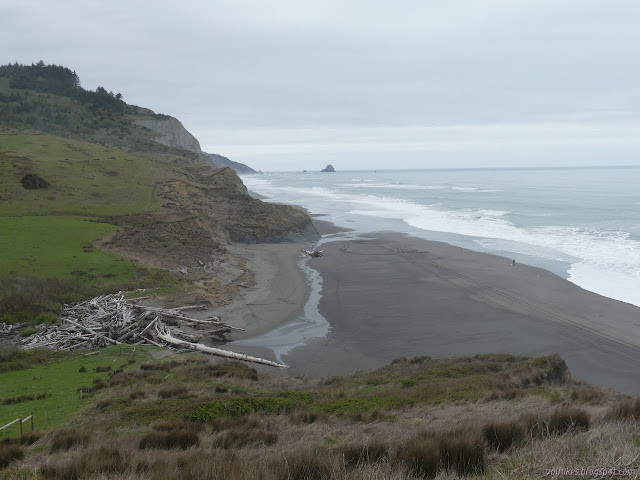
162	334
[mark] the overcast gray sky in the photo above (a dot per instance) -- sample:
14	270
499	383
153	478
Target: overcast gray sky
292	85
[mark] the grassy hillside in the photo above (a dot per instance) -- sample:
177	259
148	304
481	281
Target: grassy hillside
101	174
57	246
49	233
85	179
59	388
488	416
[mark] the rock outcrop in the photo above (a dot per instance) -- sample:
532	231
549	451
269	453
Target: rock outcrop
221	161
328	168
171	133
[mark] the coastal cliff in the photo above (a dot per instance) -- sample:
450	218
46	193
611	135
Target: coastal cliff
162	212
221	161
171	133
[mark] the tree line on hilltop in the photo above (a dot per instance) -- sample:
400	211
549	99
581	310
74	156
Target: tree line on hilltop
57	80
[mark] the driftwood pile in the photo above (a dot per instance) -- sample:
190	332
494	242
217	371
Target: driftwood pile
5	327
112	320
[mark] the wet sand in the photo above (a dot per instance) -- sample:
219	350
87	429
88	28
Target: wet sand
278	292
393	296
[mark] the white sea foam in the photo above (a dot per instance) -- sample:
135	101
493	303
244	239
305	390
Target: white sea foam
493	213
600	257
603	261
254	181
519	248
476	189
396	186
610	283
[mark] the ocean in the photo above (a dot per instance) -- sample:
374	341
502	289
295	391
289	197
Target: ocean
580	223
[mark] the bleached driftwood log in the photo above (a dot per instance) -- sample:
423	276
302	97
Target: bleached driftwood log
110	319
167	337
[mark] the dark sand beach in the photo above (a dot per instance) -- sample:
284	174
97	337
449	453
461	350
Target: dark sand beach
391	296
388	295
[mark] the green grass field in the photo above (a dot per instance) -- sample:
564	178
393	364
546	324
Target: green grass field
84	178
53	246
60	381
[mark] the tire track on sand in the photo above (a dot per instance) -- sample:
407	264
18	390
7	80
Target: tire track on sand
575	327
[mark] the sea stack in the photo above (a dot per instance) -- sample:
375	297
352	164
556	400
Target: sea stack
328	168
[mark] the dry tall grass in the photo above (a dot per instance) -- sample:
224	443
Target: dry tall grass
367	426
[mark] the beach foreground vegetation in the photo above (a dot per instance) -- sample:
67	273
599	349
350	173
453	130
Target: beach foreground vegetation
188	416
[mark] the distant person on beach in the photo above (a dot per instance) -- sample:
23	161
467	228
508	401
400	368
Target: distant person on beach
513	262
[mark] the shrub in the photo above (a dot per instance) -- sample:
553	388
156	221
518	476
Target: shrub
302	465
501	436
220	424
231	368
626	410
171	391
27	332
463	452
97	385
566	419
535	425
103	461
65	440
172	425
357	454
26	439
243	437
419	360
238	407
164	366
420	456
409	382
122	378
369	417
47	318
101	405
24	299
9	453
9	352
182	439
82	369
138	394
303	417
25	398
586	394
32	181
105	368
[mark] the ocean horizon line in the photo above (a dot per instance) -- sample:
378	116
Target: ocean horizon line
454	169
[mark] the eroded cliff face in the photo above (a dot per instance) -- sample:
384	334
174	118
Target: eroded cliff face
203	211
218	200
171	133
